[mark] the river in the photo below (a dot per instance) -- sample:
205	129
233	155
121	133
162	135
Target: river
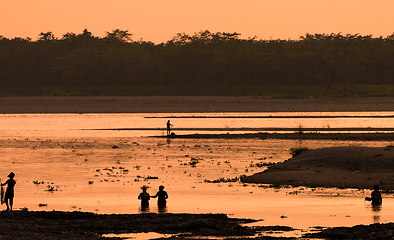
71	162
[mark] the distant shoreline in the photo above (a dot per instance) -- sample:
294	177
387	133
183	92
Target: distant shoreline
191	104
304	136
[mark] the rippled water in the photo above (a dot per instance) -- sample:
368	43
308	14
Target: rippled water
88	173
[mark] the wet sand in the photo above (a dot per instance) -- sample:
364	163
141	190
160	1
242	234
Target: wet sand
343	167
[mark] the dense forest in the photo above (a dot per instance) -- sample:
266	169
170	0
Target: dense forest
202	64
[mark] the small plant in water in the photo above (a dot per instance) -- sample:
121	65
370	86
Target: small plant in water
194	161
51	188
151	177
300	130
137	167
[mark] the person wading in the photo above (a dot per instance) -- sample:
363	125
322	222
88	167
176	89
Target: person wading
162	196
144	197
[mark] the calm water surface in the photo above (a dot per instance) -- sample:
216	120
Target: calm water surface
81	125
60	152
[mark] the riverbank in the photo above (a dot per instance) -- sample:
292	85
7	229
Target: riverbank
26	225
188	104
83	225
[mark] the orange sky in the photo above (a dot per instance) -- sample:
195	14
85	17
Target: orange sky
158	21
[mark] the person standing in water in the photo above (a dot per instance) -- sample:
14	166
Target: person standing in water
376	196
9	193
162	196
144	197
169	125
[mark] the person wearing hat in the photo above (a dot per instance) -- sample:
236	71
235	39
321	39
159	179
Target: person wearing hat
9	193
162	196
144	197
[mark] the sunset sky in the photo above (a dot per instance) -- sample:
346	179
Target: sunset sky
158	21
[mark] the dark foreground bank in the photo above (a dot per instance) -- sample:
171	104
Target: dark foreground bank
80	225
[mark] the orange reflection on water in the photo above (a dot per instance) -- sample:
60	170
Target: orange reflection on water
88	173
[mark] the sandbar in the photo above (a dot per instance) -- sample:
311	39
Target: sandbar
343	167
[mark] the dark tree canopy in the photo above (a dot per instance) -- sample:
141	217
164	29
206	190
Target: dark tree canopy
205	63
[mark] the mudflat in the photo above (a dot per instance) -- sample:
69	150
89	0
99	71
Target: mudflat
186	104
344	167
80	225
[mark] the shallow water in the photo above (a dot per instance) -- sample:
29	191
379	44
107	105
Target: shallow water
52	152
85	125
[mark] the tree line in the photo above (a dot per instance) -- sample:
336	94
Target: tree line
205	63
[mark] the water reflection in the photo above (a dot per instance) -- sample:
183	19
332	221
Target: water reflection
68	150
162	210
143	209
376	208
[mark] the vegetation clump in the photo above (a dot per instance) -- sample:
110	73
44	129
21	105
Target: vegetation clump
295	151
264	164
193	161
224	180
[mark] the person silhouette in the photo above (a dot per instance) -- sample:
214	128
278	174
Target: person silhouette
162	196
169	125
144	197
9	193
376	196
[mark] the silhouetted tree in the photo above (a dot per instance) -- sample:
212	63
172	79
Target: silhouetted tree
119	36
48	36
